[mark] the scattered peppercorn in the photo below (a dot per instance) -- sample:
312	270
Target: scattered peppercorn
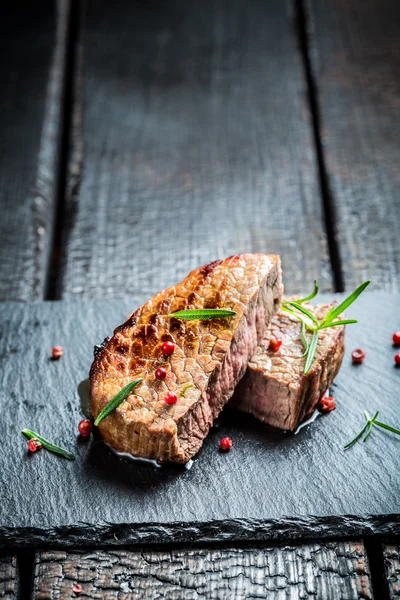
168	348
397	358
225	444
396	338
160	373
171	398
274	344
77	589
327	404
357	356
85	427
34	444
56	352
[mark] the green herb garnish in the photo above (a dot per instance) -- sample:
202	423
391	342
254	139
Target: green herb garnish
203	314
310	322
310	296
311	351
337	310
116	400
185	387
368	428
48	445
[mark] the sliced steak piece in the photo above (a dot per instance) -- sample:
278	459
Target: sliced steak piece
210	357
274	388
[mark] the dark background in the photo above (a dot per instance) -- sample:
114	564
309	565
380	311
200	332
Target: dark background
140	139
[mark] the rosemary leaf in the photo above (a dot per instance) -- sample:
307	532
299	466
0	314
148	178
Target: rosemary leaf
185	387
312	349
328	315
375	415
369	429
370	423
116	400
290	311
388	427
203	314
308	324
346	303
48	445
366	415
340	322
304	310
304	338
357	437
310	296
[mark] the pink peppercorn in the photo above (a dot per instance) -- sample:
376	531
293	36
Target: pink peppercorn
274	344
56	352
34	444
357	356
85	427
225	444
168	348
77	589
171	398
160	373
327	404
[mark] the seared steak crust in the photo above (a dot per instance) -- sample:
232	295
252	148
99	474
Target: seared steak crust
274	388
210	357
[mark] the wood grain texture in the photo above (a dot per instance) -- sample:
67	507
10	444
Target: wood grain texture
391	554
314	571
32	41
197	145
356	62
8	576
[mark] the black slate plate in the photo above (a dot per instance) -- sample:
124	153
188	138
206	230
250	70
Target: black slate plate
269	486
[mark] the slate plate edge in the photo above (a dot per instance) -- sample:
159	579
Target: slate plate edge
213	531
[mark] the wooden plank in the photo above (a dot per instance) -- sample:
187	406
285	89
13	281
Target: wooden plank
391	554
328	570
8	576
354	47
197	146
32	41
247	494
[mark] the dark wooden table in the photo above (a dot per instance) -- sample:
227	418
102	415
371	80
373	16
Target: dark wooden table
141	139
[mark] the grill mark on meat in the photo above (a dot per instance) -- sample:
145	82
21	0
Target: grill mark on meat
121	349
177	327
207	269
210	354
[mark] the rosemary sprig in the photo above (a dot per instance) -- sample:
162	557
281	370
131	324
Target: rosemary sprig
48	445
368	428
116	400
203	314
310	322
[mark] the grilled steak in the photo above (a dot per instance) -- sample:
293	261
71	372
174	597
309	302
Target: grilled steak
210	357
274	388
